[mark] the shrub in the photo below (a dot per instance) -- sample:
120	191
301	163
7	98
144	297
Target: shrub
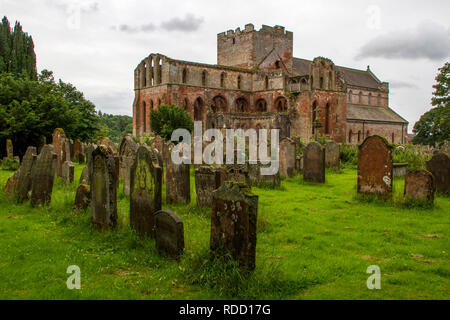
413	155
9	164
349	154
167	119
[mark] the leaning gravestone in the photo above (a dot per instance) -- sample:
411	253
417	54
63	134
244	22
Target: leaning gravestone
146	191
127	154
375	167
44	176
68	171
26	175
12	184
439	166
314	163
207	179
178	184
84	178
332	155
58	142
287	157
233	224
83	197
103	176
420	186
9	149
169	234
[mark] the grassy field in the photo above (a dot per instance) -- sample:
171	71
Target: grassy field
314	242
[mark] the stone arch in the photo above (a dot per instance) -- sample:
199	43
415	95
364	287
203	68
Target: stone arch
330	80
219	104
204	78
239	82
223	76
304	84
198	109
184	76
185	104
242	105
266	82
350	94
360	97
321	83
281	104
261	105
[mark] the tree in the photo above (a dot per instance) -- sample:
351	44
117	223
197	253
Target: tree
434	126
114	126
166	119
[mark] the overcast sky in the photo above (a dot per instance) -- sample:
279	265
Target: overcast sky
96	44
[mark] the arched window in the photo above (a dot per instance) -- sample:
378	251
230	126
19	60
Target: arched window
266	82
350	136
185	104
198	109
239	82
261	105
359	136
151	105
241	105
370	99
219	104
145	75
222	79
204	78
281	104
350	93
327	119
321	82
277	64
304	84
184	76
360	97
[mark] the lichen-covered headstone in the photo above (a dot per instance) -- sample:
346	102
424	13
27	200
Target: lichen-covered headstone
44	176
439	166
287	157
12	184
127	154
233	224
84	178
146	191
446	148
238	173
314	163
178	184
9	149
68	172
169	234
83	197
58	142
375	167
207	179
26	175
332	155
420	186
103	176
256	178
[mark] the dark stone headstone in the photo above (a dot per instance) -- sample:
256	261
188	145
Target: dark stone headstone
420	186
9	149
169	234
68	172
439	166
375	167
178	182
77	149
104	178
207	179
287	157
256	178
84	178
81	158
83	197
43	177
332	155
238	173
314	163
233	224
127	154
146	191
26	175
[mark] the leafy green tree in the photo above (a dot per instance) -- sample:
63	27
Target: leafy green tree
117	126
434	126
166	119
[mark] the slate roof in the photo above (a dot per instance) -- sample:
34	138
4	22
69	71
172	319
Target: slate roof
353	77
372	113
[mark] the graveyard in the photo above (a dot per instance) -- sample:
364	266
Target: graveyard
314	241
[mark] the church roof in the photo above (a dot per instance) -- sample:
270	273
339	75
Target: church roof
372	113
353	77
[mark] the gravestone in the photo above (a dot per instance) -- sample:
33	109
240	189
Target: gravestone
127	154
68	171
420	186
81	158
44	176
9	149
77	149
256	178
287	157
157	143
233	223
107	142
12	184
103	176
26	175
375	167
89	161
178	184
58	142
439	166
84	178
332	155
446	148
299	164
238	173
42	142
314	163
83	197
169	234
146	191
207	179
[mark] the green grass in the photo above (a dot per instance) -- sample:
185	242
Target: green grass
314	242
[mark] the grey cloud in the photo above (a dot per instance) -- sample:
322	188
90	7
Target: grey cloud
188	24
402	84
428	40
83	6
134	29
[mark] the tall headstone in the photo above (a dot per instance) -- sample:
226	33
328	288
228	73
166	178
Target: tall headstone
26	175
103	188
332	155
127	154
287	157
207	179
375	167
420	186
9	149
233	224
439	166
146	191
178	184
58	142
169	234
44	176
68	172
314	163
77	149
89	161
